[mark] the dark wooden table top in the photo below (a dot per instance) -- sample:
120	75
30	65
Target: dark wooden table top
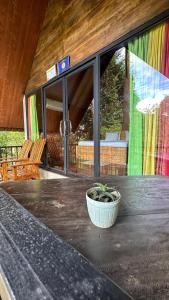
135	252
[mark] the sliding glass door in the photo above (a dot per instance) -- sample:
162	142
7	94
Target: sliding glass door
55	125
80	100
69	111
134	106
114	113
110	116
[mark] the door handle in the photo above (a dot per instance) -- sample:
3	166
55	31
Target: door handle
70	127
65	128
60	128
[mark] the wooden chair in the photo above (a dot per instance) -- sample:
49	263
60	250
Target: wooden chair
28	169
23	155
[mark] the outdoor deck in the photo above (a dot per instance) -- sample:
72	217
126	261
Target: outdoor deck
135	252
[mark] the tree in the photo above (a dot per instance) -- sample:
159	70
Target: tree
11	138
111	100
85	128
111	94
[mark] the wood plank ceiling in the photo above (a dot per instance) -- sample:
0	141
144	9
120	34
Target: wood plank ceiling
79	28
20	24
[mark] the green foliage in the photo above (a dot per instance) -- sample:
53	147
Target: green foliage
103	193
85	129
11	138
111	100
111	94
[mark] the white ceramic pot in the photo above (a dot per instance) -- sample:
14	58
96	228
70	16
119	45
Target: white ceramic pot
102	214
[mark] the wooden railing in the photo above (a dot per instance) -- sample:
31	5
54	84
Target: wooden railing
7	152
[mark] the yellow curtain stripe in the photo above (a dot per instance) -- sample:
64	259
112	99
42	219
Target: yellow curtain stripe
154	58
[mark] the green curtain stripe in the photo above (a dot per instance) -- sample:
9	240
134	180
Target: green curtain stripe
34	119
138	47
135	157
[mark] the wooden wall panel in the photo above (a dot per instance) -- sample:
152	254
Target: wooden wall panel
20	24
81	27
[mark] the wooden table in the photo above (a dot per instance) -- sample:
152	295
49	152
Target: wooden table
135	252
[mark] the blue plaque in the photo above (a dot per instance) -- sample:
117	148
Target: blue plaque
63	65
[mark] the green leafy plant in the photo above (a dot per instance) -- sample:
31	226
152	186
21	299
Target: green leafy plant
103	193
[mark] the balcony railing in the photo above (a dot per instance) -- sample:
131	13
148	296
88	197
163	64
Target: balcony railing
7	152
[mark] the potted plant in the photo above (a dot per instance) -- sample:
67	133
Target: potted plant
103	203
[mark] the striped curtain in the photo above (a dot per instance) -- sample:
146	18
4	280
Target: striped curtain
148	141
33	131
162	165
154	59
138	48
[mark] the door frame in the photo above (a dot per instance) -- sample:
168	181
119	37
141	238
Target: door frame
96	134
59	80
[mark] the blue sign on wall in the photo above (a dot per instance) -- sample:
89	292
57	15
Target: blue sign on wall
63	65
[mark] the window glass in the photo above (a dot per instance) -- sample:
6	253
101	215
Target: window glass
80	112
134	110
55	125
114	114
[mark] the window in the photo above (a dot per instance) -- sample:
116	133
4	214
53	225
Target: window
134	106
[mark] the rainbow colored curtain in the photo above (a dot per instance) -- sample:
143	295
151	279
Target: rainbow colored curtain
135	154
149	133
162	164
33	131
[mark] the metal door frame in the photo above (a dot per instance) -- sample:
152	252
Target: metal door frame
45	119
95	63
96	131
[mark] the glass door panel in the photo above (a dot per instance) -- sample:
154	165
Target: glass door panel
55	125
114	113
80	115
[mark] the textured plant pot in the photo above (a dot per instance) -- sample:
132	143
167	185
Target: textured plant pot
102	214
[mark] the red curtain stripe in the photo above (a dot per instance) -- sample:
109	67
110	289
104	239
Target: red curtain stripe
165	59
162	166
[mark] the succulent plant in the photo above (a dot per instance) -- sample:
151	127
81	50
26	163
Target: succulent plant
103	193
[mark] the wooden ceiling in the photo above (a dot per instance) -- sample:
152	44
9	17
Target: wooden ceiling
79	28
20	24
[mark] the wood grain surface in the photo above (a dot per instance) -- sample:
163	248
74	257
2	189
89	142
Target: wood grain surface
80	28
135	252
20	26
